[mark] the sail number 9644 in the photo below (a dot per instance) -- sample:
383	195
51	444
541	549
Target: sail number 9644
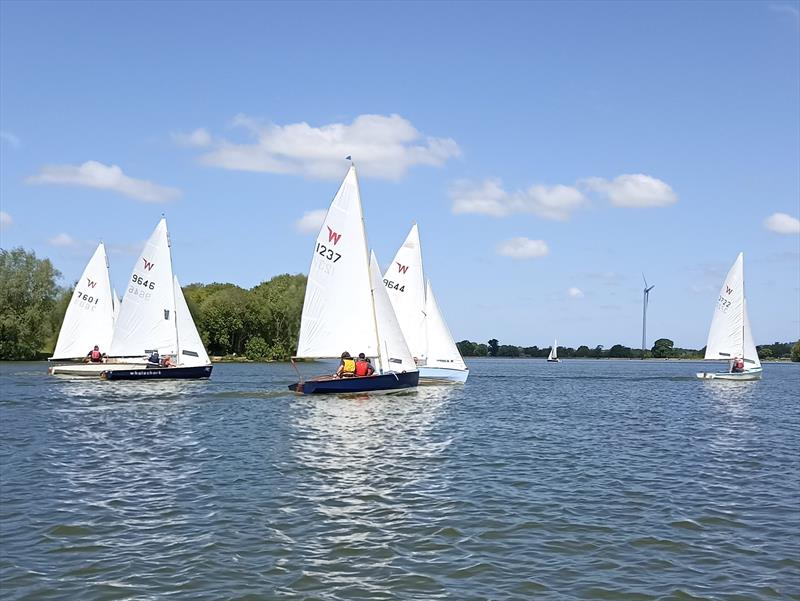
394	285
328	253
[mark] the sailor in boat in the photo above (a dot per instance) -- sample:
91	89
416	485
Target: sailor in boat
363	366
95	356
737	366
347	366
154	360
166	361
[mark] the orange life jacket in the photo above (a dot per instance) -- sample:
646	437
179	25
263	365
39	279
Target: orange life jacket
362	367
349	366
96	356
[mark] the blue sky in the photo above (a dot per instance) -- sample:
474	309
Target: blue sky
550	152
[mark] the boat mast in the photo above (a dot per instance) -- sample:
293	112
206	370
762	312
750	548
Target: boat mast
174	300
366	254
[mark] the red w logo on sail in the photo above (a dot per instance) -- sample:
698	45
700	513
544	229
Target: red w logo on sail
91	283
333	236
728	290
402	268
147	264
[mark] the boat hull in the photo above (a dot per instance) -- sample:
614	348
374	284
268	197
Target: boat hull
374	383
89	370
442	374
554	360
195	372
743	376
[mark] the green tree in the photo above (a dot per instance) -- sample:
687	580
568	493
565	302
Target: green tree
662	348
494	347
28	296
619	352
796	352
508	350
582	351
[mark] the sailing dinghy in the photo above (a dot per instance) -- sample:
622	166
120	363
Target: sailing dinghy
346	306
730	336
88	322
553	356
154	317
429	339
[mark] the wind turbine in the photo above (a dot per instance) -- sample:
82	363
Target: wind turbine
644	313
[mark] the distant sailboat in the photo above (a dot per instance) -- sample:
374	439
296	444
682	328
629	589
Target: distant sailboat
730	336
553	356
429	339
89	319
346	307
154	317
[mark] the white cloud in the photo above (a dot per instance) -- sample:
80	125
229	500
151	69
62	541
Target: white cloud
575	292
785	9
5	220
489	198
311	221
10	139
62	240
97	175
382	146
523	248
633	190
781	223
199	138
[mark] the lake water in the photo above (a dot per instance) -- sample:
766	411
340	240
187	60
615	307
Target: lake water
582	480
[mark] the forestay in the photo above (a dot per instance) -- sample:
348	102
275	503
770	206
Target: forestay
191	346
442	350
405	285
89	319
726	335
146	318
337	309
394	354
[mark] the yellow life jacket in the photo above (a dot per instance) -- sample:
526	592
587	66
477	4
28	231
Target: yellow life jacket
349	366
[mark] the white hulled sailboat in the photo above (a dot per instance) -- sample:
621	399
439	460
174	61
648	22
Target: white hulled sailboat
553	356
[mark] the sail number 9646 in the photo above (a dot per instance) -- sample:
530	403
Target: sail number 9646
137	279
328	253
394	285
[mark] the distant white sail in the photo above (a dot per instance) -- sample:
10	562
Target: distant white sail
146	318
726	335
393	354
442	349
553	351
338	307
193	352
89	319
116	305
405	284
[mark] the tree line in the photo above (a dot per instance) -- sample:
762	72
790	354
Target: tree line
260	323
663	348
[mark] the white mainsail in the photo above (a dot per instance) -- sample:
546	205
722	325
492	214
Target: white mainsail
442	349
89	319
192	350
405	285
338	307
394	354
750	354
146	320
116	305
726	337
553	352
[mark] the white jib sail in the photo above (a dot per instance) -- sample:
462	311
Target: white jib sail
337	310
89	319
405	284
193	352
146	318
750	356
553	351
393	354
726	336
442	350
116	305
